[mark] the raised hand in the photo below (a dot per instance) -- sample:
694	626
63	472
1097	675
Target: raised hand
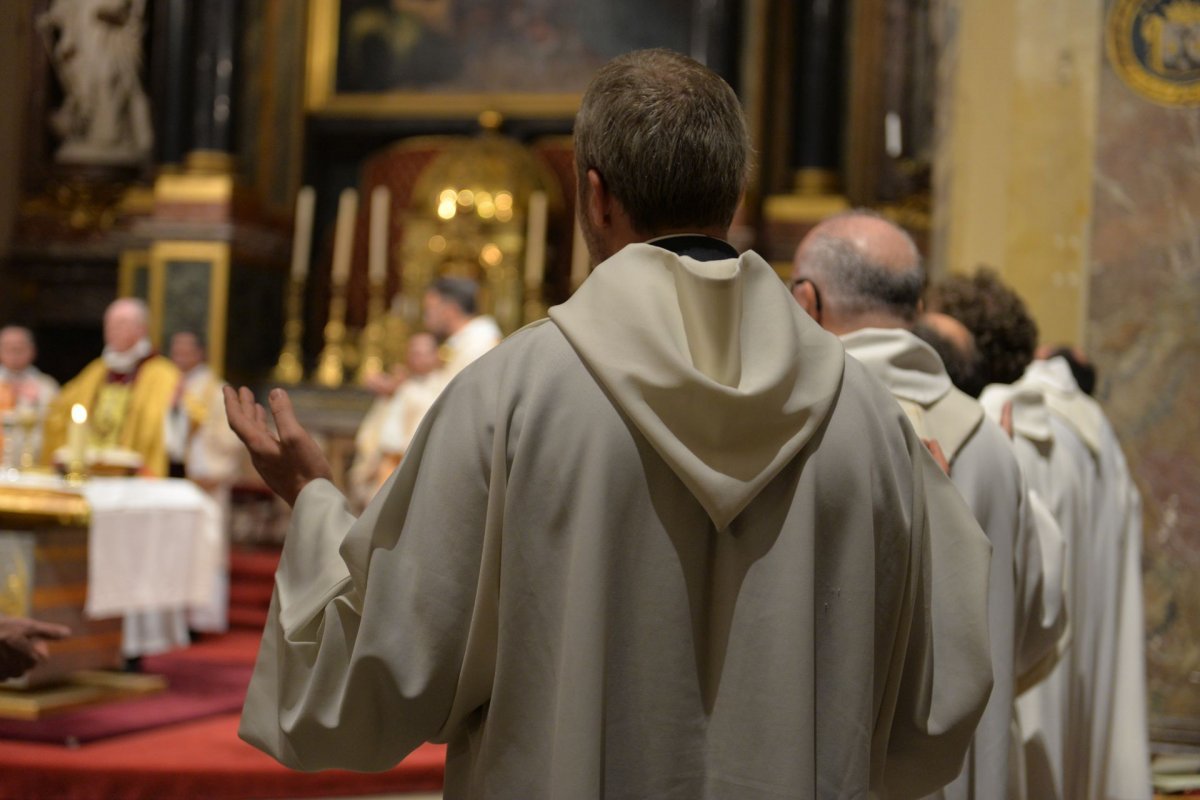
288	459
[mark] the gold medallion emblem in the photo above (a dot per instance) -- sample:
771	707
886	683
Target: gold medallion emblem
1154	45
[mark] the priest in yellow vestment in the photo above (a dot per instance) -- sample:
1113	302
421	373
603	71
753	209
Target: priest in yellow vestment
127	392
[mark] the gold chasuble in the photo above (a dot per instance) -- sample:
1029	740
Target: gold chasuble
126	411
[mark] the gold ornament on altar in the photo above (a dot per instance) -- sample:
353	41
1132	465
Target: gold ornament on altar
480	211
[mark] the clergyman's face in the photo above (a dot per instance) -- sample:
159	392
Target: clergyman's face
16	351
186	351
123	328
422	357
434	315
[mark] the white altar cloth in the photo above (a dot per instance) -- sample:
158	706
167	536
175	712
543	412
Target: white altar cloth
156	550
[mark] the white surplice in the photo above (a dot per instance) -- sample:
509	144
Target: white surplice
669	543
1107	750
1027	616
1051	457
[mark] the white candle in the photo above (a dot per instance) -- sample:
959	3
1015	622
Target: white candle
302	235
580	259
77	435
535	240
343	235
381	201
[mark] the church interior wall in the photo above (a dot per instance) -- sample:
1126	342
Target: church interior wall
1044	164
1143	329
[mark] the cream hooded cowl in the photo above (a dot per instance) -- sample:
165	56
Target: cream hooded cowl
1027	612
1107	751
670	544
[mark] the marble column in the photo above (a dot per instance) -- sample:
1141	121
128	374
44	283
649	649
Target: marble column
171	79
213	101
817	77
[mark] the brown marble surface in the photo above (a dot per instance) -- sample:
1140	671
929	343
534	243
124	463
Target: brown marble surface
1143	331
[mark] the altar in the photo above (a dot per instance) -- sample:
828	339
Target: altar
123	562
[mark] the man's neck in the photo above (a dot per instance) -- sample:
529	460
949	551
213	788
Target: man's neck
840	326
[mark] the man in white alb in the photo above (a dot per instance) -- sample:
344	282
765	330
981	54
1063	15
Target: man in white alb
860	277
668	542
1088	721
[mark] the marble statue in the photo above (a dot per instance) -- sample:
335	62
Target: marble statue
96	49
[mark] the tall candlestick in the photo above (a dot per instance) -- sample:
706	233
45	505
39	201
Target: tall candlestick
343	235
302	235
381	201
535	241
77	436
580	259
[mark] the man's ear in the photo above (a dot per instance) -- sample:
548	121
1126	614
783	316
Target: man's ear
598	201
807	298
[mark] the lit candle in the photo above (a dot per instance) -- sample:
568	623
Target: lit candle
77	436
535	240
580	259
343	235
381	200
302	235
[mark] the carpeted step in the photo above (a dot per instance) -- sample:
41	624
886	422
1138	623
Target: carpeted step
245	617
250	595
252	563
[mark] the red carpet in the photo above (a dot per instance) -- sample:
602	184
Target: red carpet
196	688
200	758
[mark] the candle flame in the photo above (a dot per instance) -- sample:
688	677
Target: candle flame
78	414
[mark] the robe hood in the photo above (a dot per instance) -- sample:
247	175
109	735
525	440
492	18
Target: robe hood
913	372
712	361
1065	398
1030	416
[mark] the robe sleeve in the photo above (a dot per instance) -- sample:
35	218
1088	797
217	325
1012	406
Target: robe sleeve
1128	768
381	633
1042	631
941	661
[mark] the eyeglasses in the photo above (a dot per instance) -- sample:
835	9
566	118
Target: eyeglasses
816	291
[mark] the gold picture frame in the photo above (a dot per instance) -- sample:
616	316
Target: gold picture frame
133	274
375	59
194	275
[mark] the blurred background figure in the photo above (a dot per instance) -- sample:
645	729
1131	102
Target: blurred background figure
202	448
25	394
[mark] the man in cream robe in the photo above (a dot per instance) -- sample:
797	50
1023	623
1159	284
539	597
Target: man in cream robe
669	542
868	275
1105	737
127	392
1107	755
202	448
25	391
1050	456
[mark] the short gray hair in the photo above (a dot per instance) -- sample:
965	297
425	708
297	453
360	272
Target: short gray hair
135	304
668	137
851	282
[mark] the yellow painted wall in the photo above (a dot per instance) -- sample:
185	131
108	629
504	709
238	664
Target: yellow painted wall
1019	137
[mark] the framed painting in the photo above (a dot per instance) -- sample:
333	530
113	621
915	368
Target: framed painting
189	291
458	58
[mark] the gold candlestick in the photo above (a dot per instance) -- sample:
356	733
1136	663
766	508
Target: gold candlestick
289	369
27	420
77	439
371	361
331	364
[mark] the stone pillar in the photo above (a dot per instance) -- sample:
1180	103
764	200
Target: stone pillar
171	79
1014	171
213	100
817	76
